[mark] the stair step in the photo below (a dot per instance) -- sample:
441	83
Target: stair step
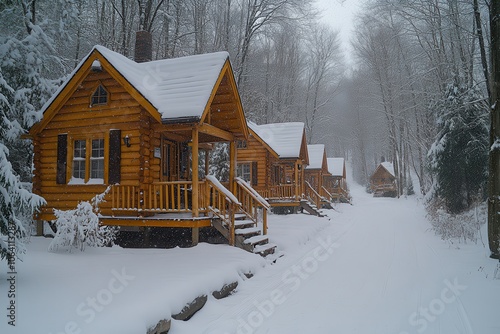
240	216
257	240
265	250
247	232
239	224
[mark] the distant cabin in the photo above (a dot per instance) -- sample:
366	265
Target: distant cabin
336	182
273	159
383	181
139	128
315	173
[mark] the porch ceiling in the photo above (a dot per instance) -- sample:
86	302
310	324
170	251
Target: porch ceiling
184	135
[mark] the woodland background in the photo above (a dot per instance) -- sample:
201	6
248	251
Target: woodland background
415	91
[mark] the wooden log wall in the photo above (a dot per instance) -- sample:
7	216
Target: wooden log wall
79	120
255	152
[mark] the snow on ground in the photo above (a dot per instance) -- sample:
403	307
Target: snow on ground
374	267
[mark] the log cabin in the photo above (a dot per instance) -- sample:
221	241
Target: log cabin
383	181
139	128
315	172
273	159
336	183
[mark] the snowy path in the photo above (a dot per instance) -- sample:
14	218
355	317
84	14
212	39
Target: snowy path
375	268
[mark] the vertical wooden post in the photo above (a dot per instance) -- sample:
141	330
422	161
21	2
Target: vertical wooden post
39	228
194	167
232	165
264	220
232	175
297	186
195	235
232	207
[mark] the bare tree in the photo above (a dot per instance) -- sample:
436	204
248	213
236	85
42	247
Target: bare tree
494	165
324	63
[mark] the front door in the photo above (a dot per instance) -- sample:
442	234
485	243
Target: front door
169	163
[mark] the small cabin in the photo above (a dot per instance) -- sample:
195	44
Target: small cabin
273	159
315	173
383	181
336	183
145	130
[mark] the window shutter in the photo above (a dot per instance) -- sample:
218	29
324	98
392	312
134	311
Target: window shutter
62	154
114	156
254	173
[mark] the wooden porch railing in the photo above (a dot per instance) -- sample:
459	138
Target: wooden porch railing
222	203
325	193
251	201
174	196
312	195
337	193
283	191
384	186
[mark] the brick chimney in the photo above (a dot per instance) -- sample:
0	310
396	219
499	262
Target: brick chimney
143	46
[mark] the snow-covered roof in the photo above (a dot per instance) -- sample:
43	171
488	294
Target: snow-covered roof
315	153
177	88
284	138
389	167
335	166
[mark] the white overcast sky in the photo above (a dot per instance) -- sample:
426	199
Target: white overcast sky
340	15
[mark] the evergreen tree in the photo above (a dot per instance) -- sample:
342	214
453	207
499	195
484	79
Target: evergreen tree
28	70
459	155
219	162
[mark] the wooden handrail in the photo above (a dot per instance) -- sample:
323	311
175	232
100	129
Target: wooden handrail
313	195
330	196
253	193
222	203
251	201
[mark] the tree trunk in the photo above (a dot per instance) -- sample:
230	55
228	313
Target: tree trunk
494	164
484	61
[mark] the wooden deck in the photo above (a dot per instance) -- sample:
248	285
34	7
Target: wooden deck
158	220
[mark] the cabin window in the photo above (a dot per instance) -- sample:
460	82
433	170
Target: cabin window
277	175
241	144
88	161
99	97
244	171
97	159
79	154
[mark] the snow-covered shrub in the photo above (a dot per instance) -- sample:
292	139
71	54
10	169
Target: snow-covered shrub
80	227
461	227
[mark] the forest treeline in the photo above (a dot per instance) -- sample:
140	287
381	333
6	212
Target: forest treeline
419	97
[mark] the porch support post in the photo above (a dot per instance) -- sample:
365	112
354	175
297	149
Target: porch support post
39	228
195	235
195	188
232	165
297	185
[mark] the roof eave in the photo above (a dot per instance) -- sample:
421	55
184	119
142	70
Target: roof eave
180	120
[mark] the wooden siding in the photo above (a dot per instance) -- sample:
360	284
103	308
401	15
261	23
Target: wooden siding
255	152
315	179
79	120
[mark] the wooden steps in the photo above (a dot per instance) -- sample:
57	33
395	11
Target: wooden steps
247	236
310	208
236	216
